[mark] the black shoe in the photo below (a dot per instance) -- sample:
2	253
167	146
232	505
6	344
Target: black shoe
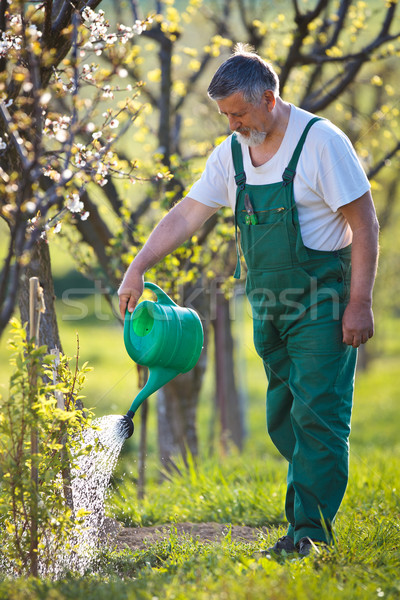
285	544
306	546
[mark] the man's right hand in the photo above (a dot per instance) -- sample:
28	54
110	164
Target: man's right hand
130	291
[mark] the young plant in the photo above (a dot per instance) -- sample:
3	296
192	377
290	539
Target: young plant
36	520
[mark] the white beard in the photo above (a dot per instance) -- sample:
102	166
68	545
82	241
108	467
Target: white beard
254	138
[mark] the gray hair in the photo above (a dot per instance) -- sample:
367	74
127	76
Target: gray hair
245	72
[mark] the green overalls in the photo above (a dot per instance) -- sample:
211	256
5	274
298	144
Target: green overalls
298	296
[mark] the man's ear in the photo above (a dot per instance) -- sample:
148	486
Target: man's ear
269	99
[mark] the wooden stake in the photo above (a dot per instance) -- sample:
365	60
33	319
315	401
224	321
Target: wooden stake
36	307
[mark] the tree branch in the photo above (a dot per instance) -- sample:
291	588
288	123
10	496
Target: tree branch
382	163
3	25
97	235
389	18
302	21
47	18
12	282
354	63
16	139
391	197
341	17
112	194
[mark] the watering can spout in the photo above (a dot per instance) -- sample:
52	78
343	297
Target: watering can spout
126	426
158	376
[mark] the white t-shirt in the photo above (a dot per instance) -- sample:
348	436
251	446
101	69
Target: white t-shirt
328	176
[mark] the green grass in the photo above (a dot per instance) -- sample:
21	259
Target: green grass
184	569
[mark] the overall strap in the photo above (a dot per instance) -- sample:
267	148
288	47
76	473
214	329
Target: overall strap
237	157
290	171
240	180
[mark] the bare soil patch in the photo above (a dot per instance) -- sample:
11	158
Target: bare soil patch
139	538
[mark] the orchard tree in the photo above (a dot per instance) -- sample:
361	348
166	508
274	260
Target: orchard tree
56	137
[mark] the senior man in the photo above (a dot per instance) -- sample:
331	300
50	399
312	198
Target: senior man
309	235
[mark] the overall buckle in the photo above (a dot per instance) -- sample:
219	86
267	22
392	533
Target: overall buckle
240	180
288	176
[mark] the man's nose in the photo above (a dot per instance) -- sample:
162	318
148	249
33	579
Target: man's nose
234	124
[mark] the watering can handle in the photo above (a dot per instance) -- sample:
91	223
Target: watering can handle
162	297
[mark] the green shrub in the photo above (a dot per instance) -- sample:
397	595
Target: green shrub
36	440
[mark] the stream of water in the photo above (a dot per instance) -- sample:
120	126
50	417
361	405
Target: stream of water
90	481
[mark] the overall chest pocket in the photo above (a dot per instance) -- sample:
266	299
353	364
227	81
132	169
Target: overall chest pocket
266	244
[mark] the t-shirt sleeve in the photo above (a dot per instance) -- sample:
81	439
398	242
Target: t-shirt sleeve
340	176
212	187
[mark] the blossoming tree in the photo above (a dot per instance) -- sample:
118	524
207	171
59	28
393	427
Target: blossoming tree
55	137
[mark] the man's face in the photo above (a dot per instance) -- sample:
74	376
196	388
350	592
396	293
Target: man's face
249	121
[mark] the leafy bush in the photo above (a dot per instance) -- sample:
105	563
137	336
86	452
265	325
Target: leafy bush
38	445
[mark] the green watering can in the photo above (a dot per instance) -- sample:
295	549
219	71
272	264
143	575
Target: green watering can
164	337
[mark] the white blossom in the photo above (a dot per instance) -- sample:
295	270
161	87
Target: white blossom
45	98
111	38
138	27
107	93
30	207
89	15
61	136
52	174
67	174
33	31
53	128
114	123
74	203
102	169
79	160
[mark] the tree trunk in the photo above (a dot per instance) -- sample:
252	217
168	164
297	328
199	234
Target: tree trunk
177	405
142	379
228	400
40	266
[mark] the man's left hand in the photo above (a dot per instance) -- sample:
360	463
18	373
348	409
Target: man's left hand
357	324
